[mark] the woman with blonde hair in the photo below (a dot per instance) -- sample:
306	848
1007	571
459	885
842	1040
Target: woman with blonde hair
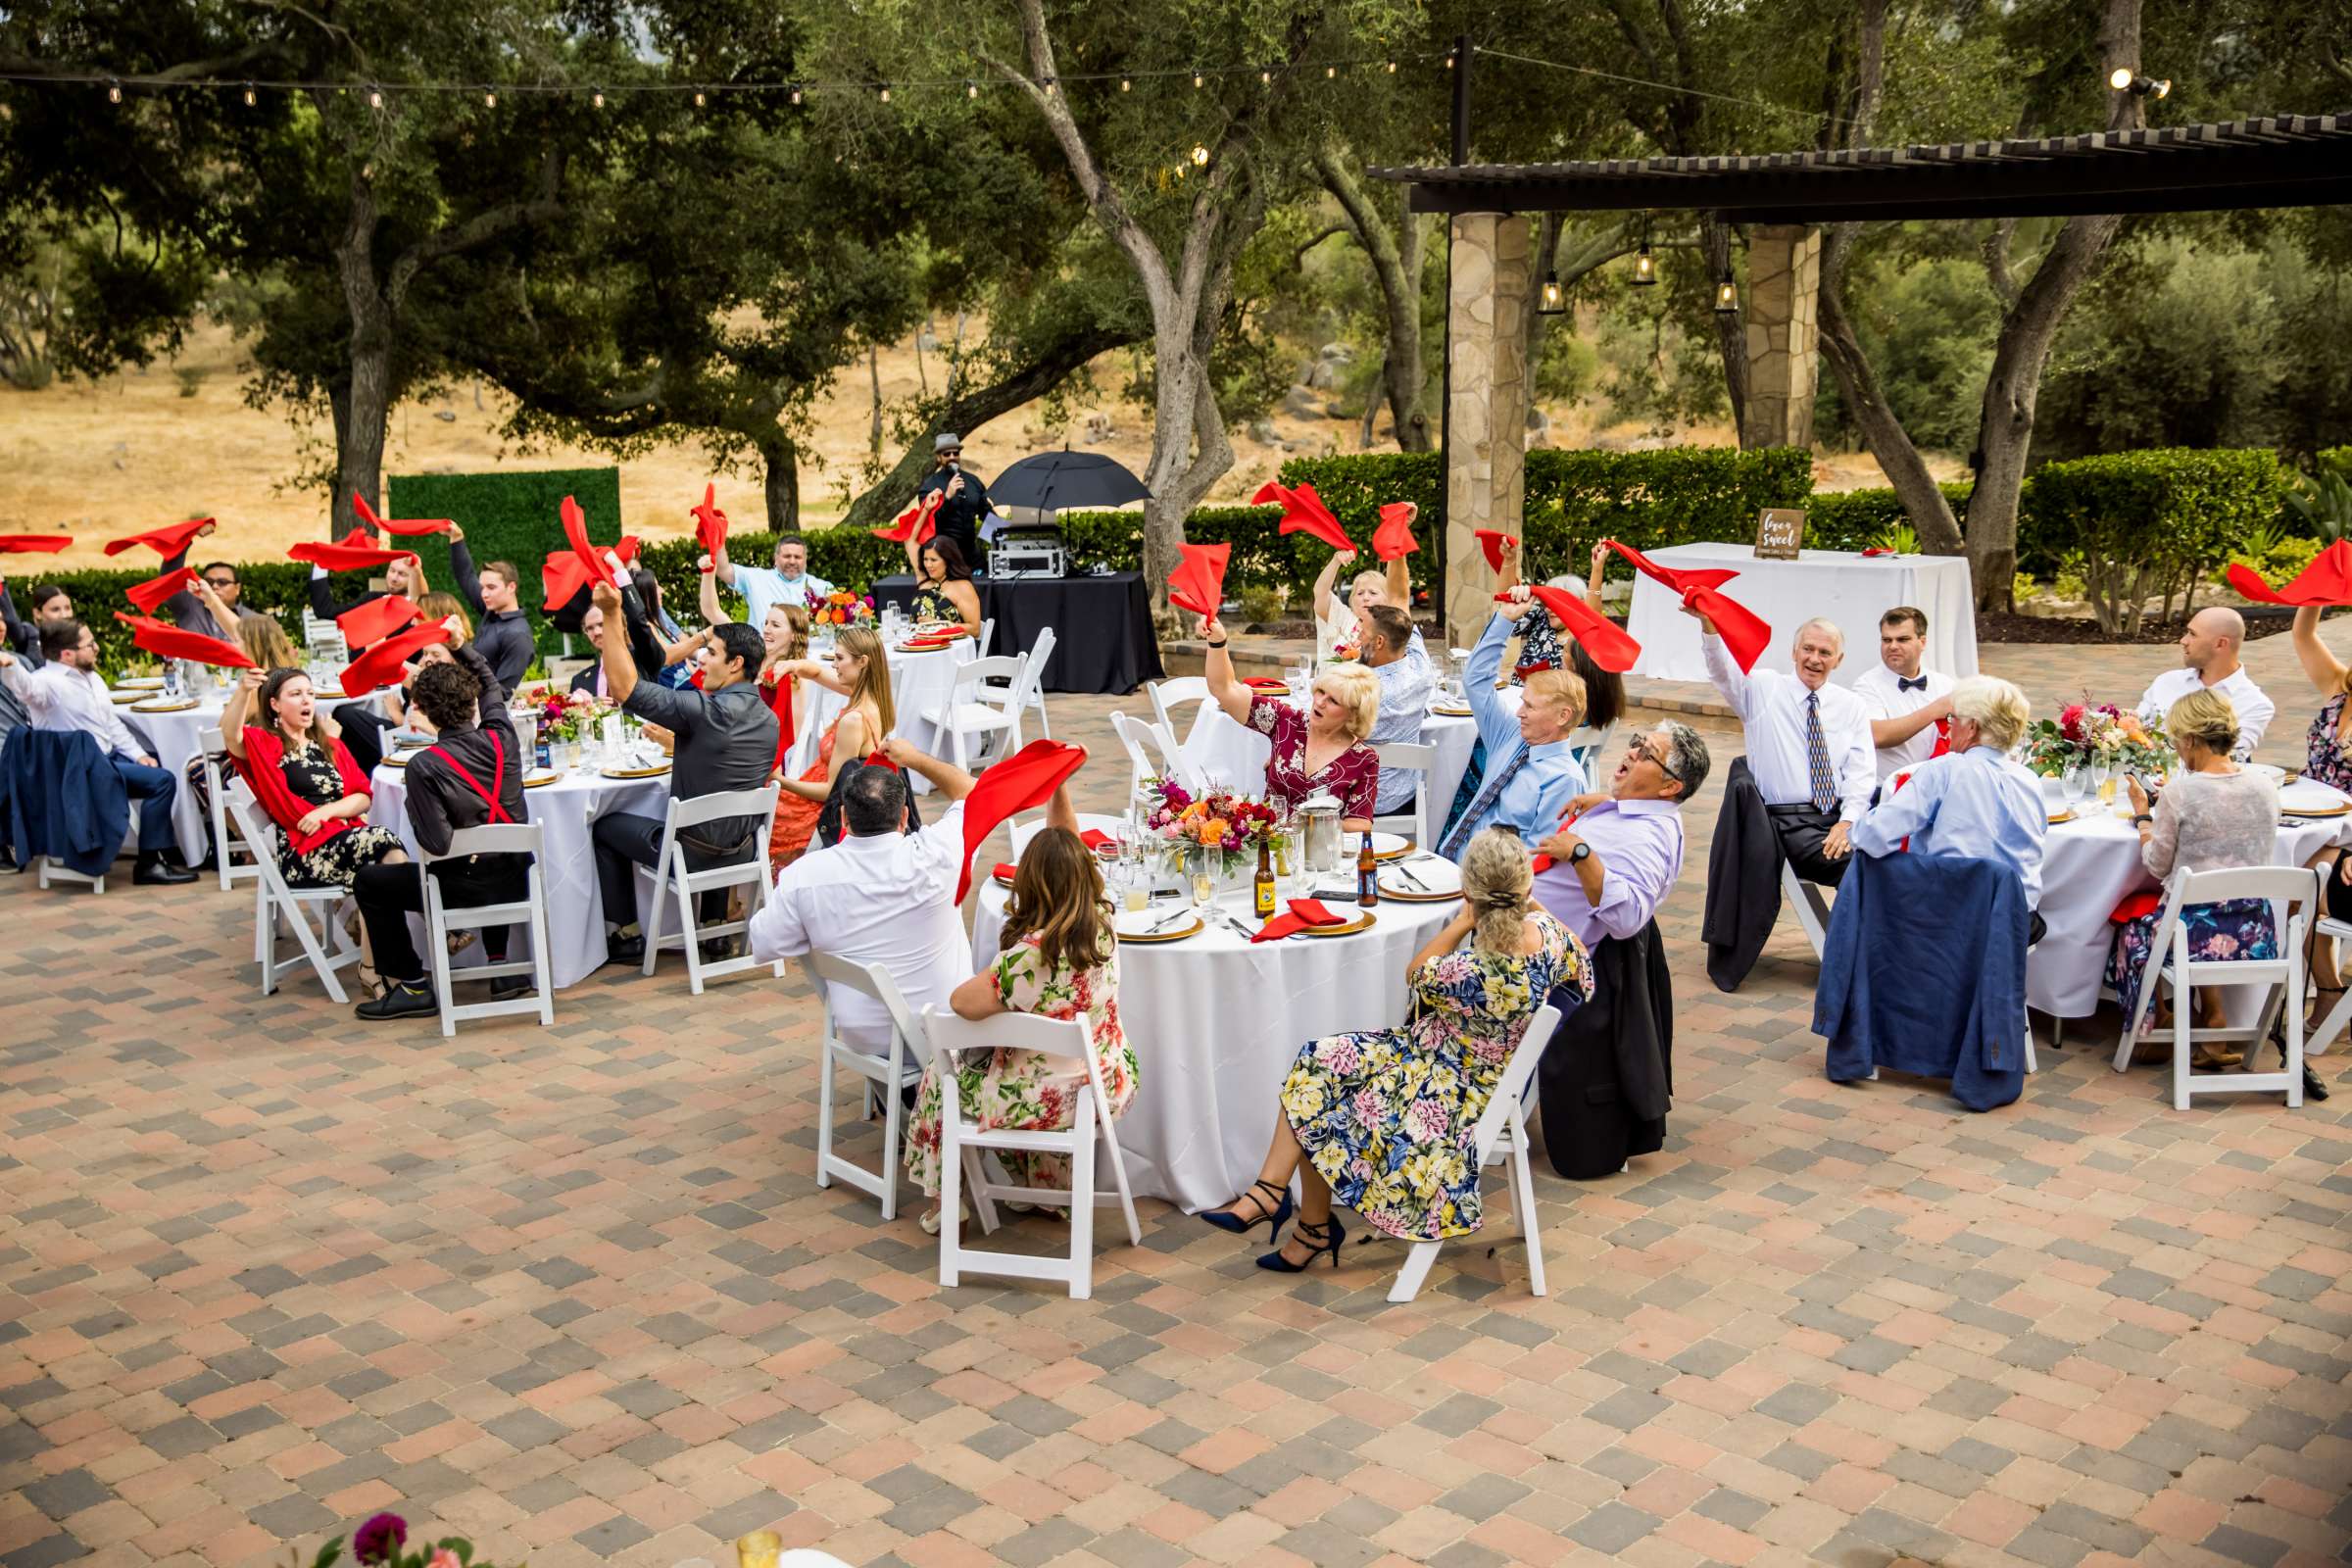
2213	815
1060	960
1325	750
859	670
1382	1120
267	644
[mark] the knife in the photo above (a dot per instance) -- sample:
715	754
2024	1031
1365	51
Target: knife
1406	872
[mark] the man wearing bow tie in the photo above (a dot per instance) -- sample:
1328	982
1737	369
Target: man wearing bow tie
1905	702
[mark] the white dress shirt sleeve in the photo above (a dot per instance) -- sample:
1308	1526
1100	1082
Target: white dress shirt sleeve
33	694
938	851
2255	711
1857	770
1495	722
1901	813
1729	680
779	930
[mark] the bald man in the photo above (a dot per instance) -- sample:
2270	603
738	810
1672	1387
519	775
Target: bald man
2209	651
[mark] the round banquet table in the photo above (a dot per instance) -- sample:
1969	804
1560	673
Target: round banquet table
916	681
2087	866
1217	1022
1220	748
176	739
1838	585
565	810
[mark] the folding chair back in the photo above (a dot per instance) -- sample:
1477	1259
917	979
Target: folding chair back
983	703
1033	693
326	949
441	918
1150	750
1410	755
2294	894
226	847
1167	696
887	1074
673	879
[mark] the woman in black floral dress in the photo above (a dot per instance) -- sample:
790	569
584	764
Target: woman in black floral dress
291	752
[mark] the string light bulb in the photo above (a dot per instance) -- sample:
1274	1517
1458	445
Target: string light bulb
971	89
1125	85
1330	72
795	93
114	92
886	93
251	97
376	98
1391	68
699	100
1049	86
599	99
2123	78
1265	79
489	100
1200	156
1197	80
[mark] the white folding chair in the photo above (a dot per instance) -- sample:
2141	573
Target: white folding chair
2324	1033
1069	1040
1413	755
1151	751
1811	904
326	950
322	641
226	847
48	870
980	710
499	838
1167	696
1586	744
2297	888
988	635
1500	1135
673	880
1033	693
884	1077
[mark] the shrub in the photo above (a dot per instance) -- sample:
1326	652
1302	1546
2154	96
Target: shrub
506	516
2152	522
1854	519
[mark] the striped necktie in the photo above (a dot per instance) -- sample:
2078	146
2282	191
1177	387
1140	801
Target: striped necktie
1817	755
1484	802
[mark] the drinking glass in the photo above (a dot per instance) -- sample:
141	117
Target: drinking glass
1135	888
2102	779
2070	784
1203	869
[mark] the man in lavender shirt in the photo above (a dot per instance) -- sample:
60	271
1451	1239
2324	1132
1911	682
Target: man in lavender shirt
1617	854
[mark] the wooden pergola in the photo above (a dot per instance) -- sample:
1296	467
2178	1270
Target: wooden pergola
2279	160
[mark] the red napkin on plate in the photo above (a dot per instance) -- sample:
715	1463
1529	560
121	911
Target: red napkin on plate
344	556
1005	872
1303	512
2134	905
1301	913
1093	837
1741	629
166	641
1394	535
1612	647
164	542
918	521
1265	683
2328	581
1492	541
1197	583
370	523
1877	550
28	544
147	595
1021	781
375	621
380	666
711	523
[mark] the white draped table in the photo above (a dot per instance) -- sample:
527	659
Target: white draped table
565	810
1217	1022
177	738
1222	748
1838	585
916	681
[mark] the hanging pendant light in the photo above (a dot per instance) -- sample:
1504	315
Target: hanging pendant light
1646	266
1727	294
1554	299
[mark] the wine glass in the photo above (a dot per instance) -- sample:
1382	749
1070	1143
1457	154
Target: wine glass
2102	780
1204	880
2070	784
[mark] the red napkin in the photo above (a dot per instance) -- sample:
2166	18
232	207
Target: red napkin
147	595
1021	781
1877	550
28	544
1303	512
380	666
1301	913
375	621
1535	668
778	692
1394	535
164	542
1612	647
565	572
166	641
2328	581
918	521
1006	872
344	556
711	525
1197	583
1093	837
1492	541
1741	629
1266	683
2134	905
371	524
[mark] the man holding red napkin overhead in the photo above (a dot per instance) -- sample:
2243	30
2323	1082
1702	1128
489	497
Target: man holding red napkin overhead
67	694
404	573
1809	747
1532	771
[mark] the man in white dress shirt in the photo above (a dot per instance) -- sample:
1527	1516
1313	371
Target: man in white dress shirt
1974	801
2209	651
884	895
1905	701
67	694
1809	745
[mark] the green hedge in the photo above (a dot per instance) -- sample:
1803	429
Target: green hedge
513	517
2153	521
1854	519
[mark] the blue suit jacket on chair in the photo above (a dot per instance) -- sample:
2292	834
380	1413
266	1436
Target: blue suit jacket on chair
61	797
1942	997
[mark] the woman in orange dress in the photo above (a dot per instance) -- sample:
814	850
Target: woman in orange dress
859	671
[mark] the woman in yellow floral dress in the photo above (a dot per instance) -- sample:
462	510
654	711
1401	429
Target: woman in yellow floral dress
1382	1120
1060	960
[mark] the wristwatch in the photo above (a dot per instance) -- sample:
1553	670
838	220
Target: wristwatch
2141	819
1582	853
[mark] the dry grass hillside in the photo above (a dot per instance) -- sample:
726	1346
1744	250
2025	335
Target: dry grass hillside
141	449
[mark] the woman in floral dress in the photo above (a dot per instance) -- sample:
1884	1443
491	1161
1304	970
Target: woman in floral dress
1060	960
1382	1120
2327	758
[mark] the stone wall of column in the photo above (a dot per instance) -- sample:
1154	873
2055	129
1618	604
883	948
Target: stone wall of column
1486	326
1783	359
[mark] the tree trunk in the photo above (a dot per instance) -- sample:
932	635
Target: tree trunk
782	460
1396	259
1730	329
1923	500
873	369
359	444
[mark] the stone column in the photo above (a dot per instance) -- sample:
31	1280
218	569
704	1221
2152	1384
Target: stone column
1783	359
1485	330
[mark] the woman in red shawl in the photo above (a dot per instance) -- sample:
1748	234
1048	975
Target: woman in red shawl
292	753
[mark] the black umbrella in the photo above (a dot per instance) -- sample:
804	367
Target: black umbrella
1056	481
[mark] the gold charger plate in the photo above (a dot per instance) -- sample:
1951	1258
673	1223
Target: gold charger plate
1364	921
1408	896
126	699
2316	811
1450	713
636	772
1397	851
540	781
1172	934
140	683
150	706
2057	817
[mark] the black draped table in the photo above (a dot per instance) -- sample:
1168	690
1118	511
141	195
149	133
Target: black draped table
1103	639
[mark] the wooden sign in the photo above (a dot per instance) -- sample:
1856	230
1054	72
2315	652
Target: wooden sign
1779	533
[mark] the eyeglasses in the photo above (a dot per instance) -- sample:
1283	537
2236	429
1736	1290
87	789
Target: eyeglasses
1640	751
221	582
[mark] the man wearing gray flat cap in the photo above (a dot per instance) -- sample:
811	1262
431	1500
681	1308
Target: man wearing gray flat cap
966	500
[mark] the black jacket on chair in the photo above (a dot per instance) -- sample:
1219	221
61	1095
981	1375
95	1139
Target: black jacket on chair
1607	1077
1744	881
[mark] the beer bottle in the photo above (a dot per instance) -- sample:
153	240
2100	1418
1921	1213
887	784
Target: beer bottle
1264	891
1367	873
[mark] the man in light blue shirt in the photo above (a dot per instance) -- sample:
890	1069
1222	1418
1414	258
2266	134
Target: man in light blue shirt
1395	654
1532	773
1974	801
789	584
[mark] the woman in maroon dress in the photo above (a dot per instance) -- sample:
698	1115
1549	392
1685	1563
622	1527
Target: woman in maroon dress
1322	751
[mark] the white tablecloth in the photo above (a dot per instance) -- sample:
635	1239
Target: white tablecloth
1222	748
178	739
1838	585
2087	868
1217	1022
916	681
565	811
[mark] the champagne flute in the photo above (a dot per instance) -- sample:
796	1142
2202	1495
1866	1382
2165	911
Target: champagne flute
2070	783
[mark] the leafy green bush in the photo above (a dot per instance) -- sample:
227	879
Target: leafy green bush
2277	558
2153	522
1854	519
508	515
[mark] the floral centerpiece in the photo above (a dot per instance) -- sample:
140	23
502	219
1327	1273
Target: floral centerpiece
1224	827
384	1542
563	719
2088	734
842	607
